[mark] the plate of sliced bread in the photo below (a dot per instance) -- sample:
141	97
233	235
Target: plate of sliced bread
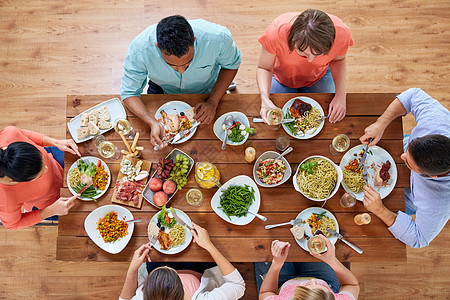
96	120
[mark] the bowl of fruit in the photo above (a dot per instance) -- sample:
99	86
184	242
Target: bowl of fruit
170	176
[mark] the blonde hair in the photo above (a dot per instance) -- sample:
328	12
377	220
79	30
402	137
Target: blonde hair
303	293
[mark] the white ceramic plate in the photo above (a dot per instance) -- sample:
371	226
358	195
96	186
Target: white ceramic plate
336	187
314	105
91	222
148	194
378	156
187	237
267	155
240	180
115	109
174	108
89	159
304	215
220	133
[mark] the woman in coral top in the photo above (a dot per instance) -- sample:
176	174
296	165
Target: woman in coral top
31	177
304	53
325	280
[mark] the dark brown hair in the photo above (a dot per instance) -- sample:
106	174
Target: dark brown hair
431	153
21	161
303	293
314	29
163	283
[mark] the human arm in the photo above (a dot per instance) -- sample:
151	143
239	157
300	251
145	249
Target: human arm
376	130
372	201
347	280
269	287
264	80
60	207
337	108
157	132
205	111
64	145
140	256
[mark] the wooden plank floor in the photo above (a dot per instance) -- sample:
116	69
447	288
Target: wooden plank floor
52	48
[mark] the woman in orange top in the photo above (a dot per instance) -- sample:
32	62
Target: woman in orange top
304	53
30	176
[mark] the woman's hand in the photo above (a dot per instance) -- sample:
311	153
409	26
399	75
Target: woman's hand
201	237
60	207
337	109
67	146
329	256
266	105
140	256
280	251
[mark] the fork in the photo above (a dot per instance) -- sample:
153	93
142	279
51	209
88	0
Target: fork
291	222
321	118
153	241
364	173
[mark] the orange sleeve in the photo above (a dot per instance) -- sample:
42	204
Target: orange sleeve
269	39
347	41
17	220
36	137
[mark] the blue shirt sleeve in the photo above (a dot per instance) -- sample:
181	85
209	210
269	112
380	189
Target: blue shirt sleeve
134	76
230	56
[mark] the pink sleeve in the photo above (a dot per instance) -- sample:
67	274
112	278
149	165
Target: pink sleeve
17	219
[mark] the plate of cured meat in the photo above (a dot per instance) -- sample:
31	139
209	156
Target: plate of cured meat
176	116
131	181
307	114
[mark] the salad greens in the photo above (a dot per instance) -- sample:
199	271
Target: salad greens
88	169
164	219
238	131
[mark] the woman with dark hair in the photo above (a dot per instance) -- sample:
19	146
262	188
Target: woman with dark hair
326	280
30	176
222	282
304	53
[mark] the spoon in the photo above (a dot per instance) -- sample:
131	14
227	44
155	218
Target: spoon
257	215
284	153
133	221
229	120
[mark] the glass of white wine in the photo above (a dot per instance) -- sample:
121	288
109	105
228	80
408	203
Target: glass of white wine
108	150
340	144
124	126
275	116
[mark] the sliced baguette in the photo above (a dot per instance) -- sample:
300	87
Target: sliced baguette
93	116
82	132
298	232
93	129
103	113
102	124
84	120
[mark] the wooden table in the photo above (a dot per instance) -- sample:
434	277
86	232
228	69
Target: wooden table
251	242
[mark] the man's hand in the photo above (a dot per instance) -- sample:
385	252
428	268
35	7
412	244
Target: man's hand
157	134
204	112
372	200
280	251
374	131
337	109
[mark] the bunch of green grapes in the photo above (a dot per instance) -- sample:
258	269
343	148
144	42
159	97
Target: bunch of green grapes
179	171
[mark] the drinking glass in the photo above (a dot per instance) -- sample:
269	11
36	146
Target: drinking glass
125	126
348	200
194	197
317	244
281	143
275	116
340	144
107	149
98	139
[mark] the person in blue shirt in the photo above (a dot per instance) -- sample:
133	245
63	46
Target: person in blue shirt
427	155
179	57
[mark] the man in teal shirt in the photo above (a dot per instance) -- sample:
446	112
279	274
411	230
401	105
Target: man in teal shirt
179	57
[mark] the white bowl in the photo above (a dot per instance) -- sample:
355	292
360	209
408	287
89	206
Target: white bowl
338	181
220	133
267	155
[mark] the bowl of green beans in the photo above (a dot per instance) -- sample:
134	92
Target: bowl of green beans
233	199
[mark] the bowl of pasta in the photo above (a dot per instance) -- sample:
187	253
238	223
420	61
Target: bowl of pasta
317	178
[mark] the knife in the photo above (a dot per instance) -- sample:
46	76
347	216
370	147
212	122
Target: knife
339	236
181	222
259	120
363	159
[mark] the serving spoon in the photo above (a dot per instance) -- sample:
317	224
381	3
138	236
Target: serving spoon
257	215
229	120
288	150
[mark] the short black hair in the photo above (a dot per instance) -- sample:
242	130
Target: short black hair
431	153
21	161
174	35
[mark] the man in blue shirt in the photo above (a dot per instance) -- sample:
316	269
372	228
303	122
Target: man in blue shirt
427	155
179	57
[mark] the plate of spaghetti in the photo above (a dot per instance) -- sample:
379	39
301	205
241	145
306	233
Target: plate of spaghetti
381	171
317	218
317	178
172	237
307	113
107	228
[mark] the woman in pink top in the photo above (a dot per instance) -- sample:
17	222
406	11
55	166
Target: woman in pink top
223	282
299	287
304	53
30	177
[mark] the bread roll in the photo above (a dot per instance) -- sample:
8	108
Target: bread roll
298	232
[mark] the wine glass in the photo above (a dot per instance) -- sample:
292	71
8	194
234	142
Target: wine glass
340	144
125	126
107	149
275	116
348	200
